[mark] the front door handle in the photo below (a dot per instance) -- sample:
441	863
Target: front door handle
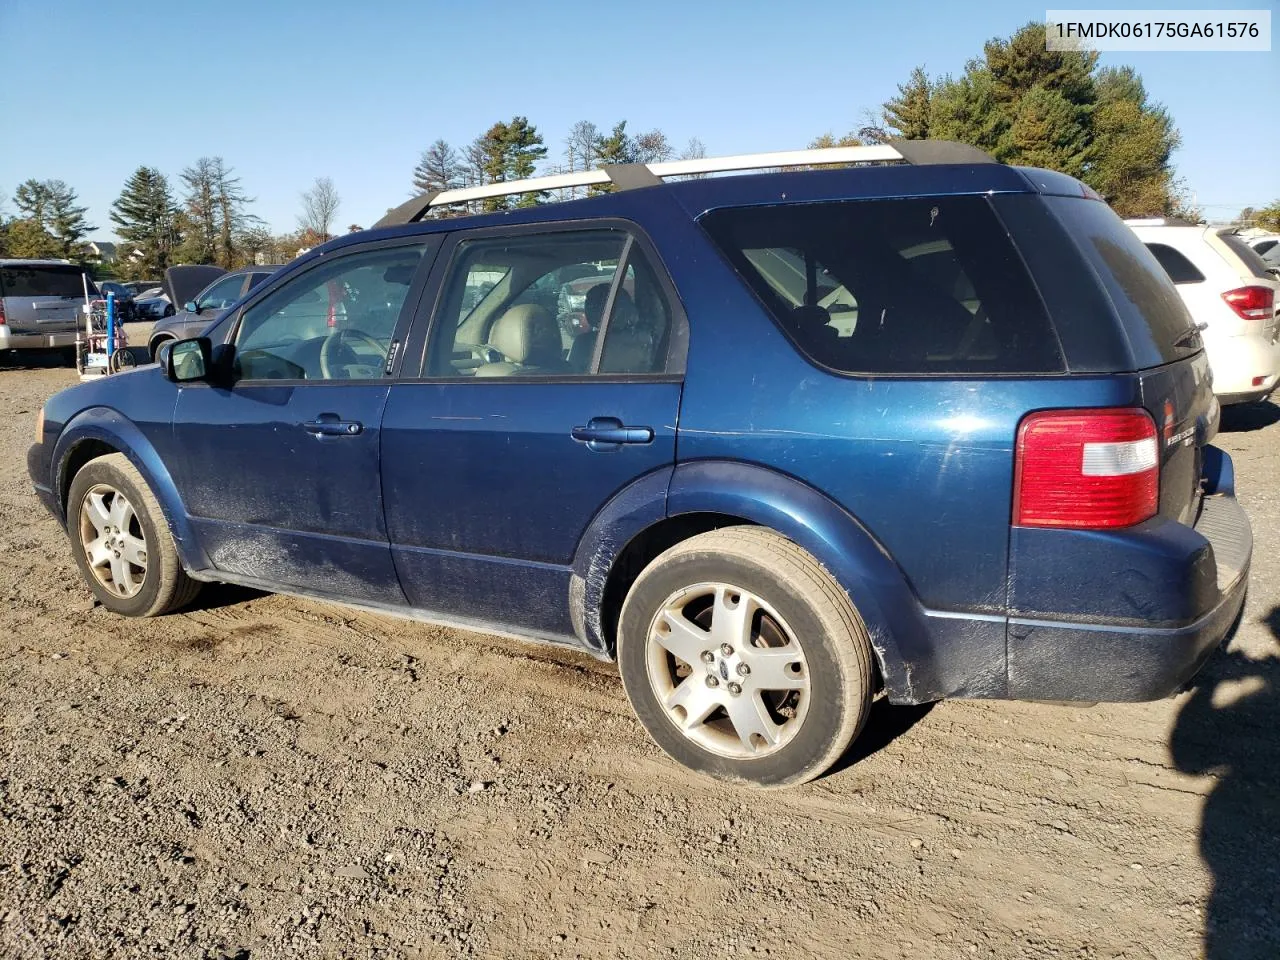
331	425
608	433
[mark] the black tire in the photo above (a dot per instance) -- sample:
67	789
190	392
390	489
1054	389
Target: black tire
155	346
821	619
165	586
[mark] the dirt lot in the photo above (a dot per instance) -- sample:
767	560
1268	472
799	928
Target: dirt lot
268	777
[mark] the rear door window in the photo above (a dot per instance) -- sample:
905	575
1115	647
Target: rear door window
39	280
908	286
1154	318
1179	268
1248	256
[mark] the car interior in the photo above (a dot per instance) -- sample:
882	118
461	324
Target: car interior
536	306
333	323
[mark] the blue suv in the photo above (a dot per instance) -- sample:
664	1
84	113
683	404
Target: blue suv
939	428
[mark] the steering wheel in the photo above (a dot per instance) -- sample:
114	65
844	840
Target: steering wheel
336	341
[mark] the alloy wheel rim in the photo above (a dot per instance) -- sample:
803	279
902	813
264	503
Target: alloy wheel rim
113	541
728	671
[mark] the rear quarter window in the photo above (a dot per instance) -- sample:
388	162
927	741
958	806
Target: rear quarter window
1248	256
1155	320
900	286
1179	268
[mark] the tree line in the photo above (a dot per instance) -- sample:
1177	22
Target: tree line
1019	102
206	220
515	150
1030	106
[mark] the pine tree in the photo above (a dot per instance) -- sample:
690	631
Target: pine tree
907	114
1133	141
32	200
215	214
1024	104
509	151
29	240
438	169
67	220
143	215
200	215
49	207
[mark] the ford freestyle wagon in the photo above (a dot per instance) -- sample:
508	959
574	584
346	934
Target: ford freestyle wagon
899	419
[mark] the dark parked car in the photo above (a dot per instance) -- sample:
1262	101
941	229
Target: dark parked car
942	428
126	309
217	290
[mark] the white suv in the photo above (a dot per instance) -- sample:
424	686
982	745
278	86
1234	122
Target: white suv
1231	293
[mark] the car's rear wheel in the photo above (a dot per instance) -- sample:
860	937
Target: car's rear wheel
122	543
743	658
155	346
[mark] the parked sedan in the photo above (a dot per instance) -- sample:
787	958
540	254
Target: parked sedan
218	290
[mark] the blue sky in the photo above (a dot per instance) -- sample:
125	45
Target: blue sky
290	91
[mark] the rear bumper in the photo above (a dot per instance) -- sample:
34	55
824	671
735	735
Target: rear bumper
1052	660
35	341
1237	362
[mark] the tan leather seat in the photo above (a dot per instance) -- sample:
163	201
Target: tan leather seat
529	341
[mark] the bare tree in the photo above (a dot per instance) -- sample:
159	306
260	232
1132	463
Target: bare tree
653	147
581	151
320	208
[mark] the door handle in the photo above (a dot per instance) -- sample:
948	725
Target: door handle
329	425
608	433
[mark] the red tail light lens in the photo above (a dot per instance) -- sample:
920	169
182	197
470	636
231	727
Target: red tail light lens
2	319
1251	303
1086	469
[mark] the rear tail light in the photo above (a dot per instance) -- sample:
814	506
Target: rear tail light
2	319
1086	469
1251	303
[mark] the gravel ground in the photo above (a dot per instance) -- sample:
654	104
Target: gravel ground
268	777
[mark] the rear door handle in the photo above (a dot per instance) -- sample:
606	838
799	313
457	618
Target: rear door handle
330	425
608	433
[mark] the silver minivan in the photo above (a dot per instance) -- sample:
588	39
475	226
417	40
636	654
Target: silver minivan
40	303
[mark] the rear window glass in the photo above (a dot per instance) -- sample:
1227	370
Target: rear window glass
909	286
1249	256
1179	268
1155	319
42	281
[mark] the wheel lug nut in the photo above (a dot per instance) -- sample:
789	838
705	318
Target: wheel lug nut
726	650
713	681
743	670
735	688
707	656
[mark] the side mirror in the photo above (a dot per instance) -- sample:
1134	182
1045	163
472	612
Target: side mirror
186	361
191	307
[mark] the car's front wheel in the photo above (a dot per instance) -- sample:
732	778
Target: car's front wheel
744	659
122	543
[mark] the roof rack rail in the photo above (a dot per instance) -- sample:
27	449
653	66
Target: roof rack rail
628	176
1158	222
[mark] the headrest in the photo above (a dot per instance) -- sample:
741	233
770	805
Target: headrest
526	334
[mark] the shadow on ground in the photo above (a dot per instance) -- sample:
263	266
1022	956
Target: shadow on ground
1241	418
885	723
1230	729
215	595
